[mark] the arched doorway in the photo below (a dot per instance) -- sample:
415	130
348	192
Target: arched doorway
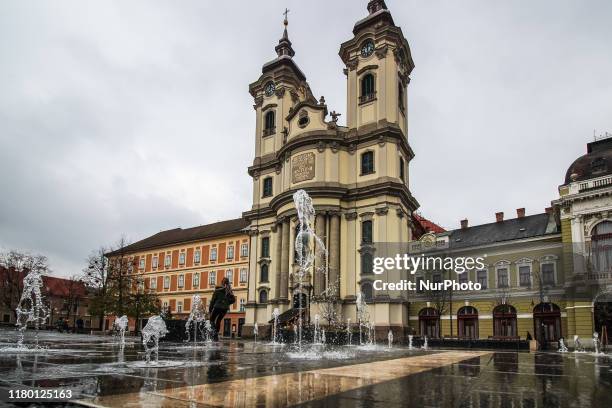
602	316
547	322
429	322
504	321
467	322
601	247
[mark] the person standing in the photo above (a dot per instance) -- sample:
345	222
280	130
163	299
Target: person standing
220	303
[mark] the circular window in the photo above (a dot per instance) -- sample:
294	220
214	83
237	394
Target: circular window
303	121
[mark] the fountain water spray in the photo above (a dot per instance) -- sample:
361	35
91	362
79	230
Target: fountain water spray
363	318
425	346
304	241
316	339
596	342
323	340
255	331
410	346
196	317
390	338
121	323
208	332
562	346
578	347
31	308
275	314
349	333
153	331
295	334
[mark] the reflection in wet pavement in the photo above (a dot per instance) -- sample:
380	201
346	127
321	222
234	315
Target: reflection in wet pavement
98	371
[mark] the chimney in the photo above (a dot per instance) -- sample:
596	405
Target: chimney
548	210
464	224
499	216
520	212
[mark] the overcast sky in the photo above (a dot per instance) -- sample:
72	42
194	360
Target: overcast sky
134	117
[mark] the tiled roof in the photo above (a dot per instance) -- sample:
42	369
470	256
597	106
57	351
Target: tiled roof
178	235
516	228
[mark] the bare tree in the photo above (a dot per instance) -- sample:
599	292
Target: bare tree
109	276
329	305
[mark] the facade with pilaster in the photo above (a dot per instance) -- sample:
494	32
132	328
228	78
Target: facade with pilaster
357	175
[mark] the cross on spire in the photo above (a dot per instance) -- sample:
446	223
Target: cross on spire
285	14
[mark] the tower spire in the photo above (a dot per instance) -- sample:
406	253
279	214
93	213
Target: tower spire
376	5
284	45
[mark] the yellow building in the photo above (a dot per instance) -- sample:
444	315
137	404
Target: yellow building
179	263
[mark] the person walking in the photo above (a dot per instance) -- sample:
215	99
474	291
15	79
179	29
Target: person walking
220	303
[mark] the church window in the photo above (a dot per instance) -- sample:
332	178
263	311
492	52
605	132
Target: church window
366	232
263	277
368	89
263	296
366	263
270	124
400	96
265	247
367	163
267	187
402	169
366	289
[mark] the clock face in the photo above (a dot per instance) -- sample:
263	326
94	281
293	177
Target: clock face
269	89
367	48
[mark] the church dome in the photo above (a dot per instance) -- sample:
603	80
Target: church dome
596	163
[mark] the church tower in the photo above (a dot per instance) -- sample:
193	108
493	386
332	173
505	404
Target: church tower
357	176
378	65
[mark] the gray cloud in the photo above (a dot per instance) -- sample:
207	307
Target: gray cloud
132	117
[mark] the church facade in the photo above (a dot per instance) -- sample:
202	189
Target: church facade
546	275
357	175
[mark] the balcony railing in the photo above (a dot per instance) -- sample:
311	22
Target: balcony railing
367	97
269	131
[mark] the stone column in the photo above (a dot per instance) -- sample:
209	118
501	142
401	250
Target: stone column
334	250
284	277
278	255
319	269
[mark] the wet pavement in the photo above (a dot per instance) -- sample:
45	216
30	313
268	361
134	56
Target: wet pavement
235	373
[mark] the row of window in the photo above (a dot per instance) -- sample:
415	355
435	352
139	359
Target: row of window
547	275
179	306
212	279
197	256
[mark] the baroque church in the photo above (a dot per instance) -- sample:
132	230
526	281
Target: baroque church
357	175
546	275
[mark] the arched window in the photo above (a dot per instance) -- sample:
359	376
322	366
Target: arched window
270	124
367	290
402	170
400	96
429	322
263	296
368	88
601	247
547	322
366	263
504	321
467	322
263	277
